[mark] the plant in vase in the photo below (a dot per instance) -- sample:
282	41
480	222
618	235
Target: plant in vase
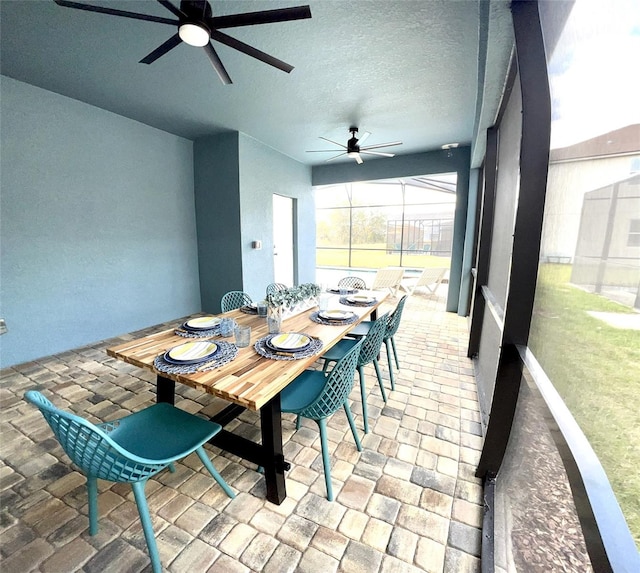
286	301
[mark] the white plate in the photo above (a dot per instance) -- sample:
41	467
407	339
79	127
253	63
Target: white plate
361	298
335	314
290	341
189	351
203	322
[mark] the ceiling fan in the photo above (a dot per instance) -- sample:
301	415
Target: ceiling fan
355	149
197	26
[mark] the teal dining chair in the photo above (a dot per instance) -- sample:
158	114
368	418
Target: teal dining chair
369	351
316	395
353	282
393	324
275	287
234	299
130	450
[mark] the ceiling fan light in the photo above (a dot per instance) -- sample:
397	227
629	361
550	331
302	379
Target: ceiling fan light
194	34
353	154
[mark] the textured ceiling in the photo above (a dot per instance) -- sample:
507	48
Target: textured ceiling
401	69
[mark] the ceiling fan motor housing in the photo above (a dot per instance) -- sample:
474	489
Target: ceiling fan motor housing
196	10
352	144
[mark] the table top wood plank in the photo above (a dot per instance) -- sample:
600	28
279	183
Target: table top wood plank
249	380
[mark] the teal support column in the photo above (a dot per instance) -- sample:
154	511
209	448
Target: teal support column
464	299
217	202
459	231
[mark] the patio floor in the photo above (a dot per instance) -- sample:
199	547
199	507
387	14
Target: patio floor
408	502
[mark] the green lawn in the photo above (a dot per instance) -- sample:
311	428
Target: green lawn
596	369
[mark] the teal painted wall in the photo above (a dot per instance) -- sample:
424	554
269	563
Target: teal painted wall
97	230
440	161
263	173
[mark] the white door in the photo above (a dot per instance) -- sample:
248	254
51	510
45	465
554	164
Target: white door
283	240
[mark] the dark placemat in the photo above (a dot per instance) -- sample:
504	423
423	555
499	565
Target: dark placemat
263	350
188	333
315	317
344	300
227	351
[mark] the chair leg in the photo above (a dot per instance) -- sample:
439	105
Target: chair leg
322	424
352	425
204	458
172	468
147	527
92	494
395	352
390	361
379	376
298	421
363	395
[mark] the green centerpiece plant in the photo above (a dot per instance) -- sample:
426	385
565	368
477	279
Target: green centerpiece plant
288	302
292	296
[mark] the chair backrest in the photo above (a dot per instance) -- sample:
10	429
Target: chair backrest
394	318
337	387
276	287
234	299
353	282
387	278
430	276
373	341
89	446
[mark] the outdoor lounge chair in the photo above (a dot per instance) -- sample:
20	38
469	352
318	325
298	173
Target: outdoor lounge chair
389	277
431	278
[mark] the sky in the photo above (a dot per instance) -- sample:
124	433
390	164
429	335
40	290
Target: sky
595	71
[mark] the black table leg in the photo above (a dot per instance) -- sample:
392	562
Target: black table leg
274	462
165	390
268	454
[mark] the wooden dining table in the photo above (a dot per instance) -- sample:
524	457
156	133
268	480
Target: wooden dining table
250	381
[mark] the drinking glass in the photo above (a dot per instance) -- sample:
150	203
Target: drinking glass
262	308
323	301
226	326
243	335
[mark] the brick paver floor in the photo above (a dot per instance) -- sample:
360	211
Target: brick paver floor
408	502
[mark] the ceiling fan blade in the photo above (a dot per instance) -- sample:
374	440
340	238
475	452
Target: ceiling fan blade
364	137
114	12
358	159
377	153
161	50
250	51
176	11
262	17
336	157
218	66
320	151
334	142
381	145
